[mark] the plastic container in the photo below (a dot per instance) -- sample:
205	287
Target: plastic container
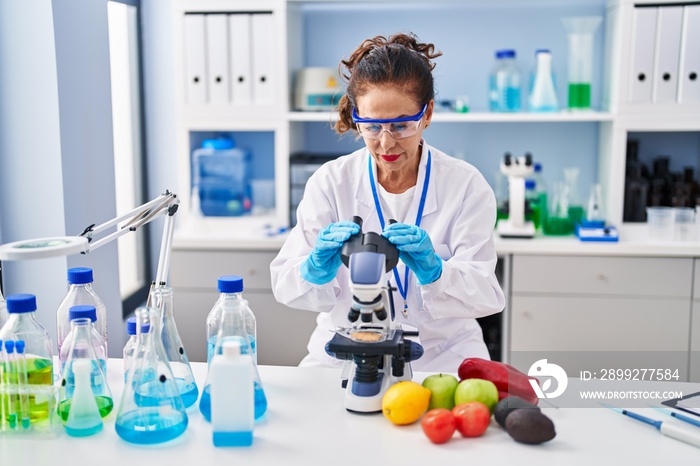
543	96
684	220
23	325
504	83
231	378
80	292
98	343
661	223
221	178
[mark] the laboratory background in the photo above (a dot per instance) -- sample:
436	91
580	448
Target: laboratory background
583	116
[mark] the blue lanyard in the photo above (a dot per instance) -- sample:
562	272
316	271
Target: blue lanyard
403	291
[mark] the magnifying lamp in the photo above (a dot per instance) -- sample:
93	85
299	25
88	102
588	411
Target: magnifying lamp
167	204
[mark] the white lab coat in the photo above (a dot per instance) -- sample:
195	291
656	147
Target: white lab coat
459	215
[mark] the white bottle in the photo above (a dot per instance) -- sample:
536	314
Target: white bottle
232	397
80	292
543	97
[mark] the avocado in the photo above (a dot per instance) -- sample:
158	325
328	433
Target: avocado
530	426
509	404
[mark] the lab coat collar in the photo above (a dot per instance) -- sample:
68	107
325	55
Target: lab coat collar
363	193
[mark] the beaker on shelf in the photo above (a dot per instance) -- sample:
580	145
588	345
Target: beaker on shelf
151	409
162	298
82	350
232	328
543	96
580	70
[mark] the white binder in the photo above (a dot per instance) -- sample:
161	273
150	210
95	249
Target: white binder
217	58
262	37
689	71
240	51
195	60
667	55
643	43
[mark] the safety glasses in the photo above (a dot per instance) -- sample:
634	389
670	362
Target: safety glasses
398	128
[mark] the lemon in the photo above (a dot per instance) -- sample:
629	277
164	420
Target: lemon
405	402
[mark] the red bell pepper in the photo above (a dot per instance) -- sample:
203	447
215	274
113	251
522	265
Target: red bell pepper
508	379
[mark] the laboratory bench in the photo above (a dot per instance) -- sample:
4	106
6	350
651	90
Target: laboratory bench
306	423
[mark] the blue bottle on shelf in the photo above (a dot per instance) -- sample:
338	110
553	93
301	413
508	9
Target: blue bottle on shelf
504	83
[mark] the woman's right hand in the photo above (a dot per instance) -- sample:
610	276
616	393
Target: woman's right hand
324	261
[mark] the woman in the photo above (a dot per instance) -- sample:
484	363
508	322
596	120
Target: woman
444	207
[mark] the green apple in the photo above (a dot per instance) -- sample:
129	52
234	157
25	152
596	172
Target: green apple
442	390
480	390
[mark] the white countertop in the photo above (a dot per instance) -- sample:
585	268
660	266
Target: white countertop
306	424
634	241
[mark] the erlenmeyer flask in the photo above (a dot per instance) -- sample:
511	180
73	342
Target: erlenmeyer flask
84	416
151	409
175	353
82	349
232	328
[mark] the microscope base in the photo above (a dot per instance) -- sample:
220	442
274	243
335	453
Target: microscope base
506	229
366	404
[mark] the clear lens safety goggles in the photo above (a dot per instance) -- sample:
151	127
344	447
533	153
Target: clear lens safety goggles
398	128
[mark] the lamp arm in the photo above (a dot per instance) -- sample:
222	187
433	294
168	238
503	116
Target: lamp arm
142	214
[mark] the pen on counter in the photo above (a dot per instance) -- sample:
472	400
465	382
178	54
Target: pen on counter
668	429
23	384
681	417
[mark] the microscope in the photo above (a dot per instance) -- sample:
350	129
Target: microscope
516	169
374	349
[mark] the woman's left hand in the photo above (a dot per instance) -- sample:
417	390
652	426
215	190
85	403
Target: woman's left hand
415	250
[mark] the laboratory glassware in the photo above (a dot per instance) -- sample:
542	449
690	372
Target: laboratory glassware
543	96
504	83
80	292
230	287
580	32
595	214
82	350
81	413
151	408
162	298
576	210
3	310
558	222
23	325
98	343
130	345
232	397
232	328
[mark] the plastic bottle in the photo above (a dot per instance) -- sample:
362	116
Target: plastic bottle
543	97
232	329
23	325
532	208
98	343
130	345
230	288
232	397
504	83
80	292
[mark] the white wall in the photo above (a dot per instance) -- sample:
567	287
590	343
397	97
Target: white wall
56	159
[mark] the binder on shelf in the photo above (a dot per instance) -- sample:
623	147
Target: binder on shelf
643	46
667	54
240	53
217	58
689	71
262	38
195	56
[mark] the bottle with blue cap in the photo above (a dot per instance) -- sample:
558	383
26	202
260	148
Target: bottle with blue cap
221	178
99	344
230	288
504	83
80	292
23	325
131	343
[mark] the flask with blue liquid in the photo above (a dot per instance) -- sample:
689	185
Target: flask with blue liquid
232	328
504	83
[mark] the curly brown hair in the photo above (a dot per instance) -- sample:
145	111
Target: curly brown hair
400	60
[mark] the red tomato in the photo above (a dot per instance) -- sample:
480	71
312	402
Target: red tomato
472	418
438	424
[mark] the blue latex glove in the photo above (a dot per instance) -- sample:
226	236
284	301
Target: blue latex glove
324	261
415	250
